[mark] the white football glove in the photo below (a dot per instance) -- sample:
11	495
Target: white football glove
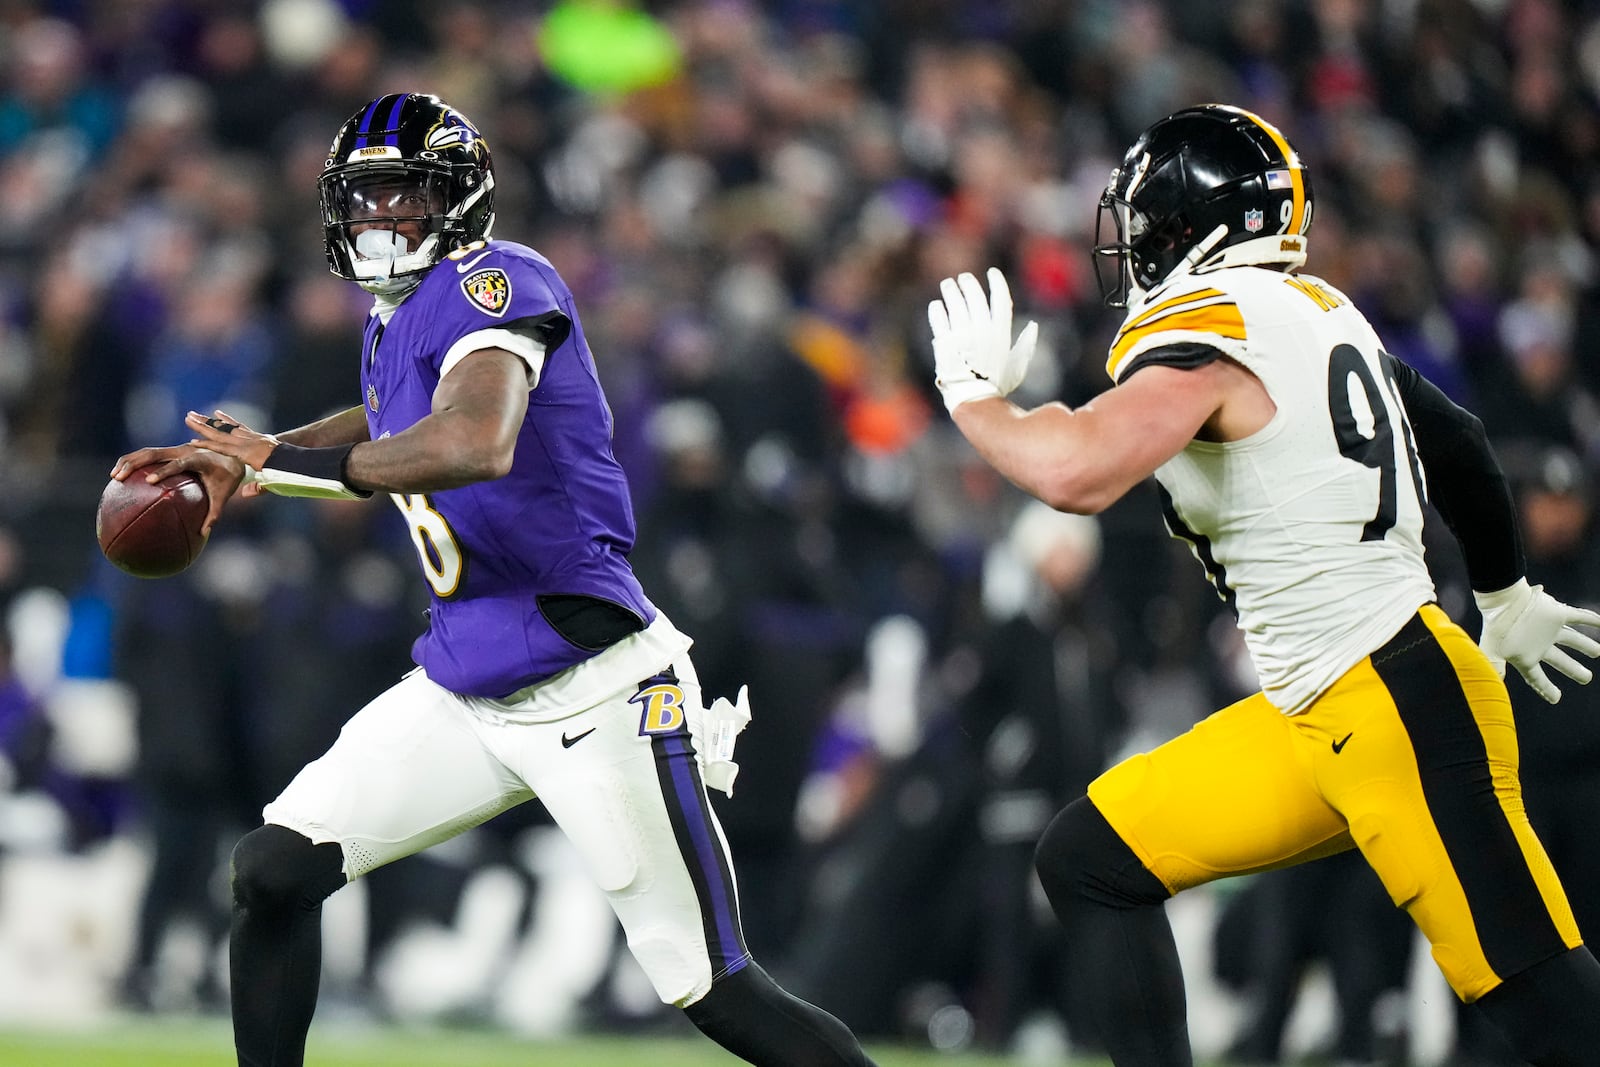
1523	626
973	355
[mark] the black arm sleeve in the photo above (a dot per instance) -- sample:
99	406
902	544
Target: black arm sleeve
1465	482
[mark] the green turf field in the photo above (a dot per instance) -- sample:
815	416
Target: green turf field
188	1043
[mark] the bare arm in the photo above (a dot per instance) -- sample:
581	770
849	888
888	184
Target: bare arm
1083	460
341	428
469	436
222	468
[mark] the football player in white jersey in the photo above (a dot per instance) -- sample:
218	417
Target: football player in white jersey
1295	456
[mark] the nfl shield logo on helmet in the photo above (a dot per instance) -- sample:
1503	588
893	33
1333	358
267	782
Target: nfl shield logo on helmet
489	290
1253	220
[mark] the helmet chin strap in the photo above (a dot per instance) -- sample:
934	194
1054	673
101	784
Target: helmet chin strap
1199	252
1185	265
392	288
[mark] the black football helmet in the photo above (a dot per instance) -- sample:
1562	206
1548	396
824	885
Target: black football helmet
408	179
1206	186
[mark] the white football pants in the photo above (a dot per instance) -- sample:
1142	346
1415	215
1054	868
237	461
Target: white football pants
419	765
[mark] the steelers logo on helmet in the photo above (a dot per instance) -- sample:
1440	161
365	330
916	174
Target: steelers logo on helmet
1204	187
411	165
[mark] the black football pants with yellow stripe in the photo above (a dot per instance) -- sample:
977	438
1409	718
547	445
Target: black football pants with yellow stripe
1412	758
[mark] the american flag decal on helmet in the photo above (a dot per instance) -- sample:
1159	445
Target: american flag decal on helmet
1279	179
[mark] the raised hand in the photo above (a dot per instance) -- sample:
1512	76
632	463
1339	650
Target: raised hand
973	353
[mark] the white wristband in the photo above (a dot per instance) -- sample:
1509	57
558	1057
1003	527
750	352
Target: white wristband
957	393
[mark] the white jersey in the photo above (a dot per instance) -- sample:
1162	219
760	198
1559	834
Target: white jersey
1310	528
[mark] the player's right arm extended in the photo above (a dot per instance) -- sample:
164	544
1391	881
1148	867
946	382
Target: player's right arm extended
218	457
276	462
469	435
1079	460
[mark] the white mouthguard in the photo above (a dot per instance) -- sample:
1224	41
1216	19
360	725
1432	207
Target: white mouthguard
381	244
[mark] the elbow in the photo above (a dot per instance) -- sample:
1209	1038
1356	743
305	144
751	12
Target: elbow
498	462
480	460
1071	492
1083	504
492	463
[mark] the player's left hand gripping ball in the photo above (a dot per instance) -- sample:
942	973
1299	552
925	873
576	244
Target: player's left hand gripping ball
973	354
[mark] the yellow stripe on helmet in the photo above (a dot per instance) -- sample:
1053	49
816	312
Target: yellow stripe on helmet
1297	184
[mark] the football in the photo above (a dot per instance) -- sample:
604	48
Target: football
152	530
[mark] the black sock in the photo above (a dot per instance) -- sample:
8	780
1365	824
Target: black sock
1123	946
750	1016
280	880
1550	1013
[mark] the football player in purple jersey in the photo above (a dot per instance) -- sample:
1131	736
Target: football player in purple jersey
545	670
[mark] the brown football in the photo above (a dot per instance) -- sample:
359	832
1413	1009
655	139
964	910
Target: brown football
152	530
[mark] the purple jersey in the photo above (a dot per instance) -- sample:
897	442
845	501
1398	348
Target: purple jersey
559	524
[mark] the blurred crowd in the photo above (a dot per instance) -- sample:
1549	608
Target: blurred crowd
753	203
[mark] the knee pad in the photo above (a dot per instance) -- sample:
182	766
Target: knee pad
1081	857
275	868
